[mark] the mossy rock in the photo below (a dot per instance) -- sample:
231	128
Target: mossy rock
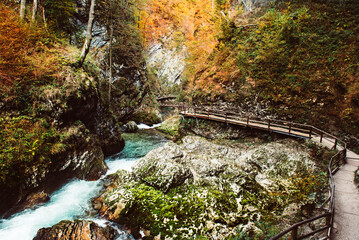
162	172
211	189
131	126
171	125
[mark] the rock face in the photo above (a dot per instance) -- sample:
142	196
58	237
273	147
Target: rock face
213	189
76	230
89	133
36	198
168	63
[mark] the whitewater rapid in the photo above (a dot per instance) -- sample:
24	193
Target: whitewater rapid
72	200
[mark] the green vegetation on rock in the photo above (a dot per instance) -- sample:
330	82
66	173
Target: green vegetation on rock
234	190
26	145
170	126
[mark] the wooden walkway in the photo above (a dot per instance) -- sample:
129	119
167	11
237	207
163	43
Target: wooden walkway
343	197
346	221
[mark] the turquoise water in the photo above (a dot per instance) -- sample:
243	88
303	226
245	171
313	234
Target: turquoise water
72	200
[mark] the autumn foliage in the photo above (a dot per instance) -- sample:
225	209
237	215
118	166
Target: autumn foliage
20	49
300	57
187	24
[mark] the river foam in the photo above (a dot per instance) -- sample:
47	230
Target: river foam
144	126
72	200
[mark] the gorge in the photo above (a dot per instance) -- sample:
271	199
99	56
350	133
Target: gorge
72	200
234	159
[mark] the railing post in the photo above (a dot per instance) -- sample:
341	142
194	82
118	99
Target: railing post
321	137
226	117
345	155
194	109
294	233
310	132
328	219
247	121
268	123
290	127
208	112
335	143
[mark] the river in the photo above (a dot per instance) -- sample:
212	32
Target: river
72	200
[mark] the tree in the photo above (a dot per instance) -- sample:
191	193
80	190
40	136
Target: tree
121	50
22	9
110	79
34	11
86	46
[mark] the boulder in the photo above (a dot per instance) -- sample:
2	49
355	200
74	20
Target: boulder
214	189
116	202
36	198
131	126
162	169
170	125
76	230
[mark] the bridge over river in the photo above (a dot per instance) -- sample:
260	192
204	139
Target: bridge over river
341	217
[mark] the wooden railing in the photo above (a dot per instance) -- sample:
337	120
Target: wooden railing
292	129
335	162
165	98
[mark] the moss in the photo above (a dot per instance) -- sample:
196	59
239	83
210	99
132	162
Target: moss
25	144
356	177
147	117
181	211
171	125
237	196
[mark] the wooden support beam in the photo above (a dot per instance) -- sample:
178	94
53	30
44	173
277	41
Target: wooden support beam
294	233
335	143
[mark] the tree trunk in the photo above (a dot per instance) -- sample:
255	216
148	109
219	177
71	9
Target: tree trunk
22	9
44	17
86	47
110	73
34	11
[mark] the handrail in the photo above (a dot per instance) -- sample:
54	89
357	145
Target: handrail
294	129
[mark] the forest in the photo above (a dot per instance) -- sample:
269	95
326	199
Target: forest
74	73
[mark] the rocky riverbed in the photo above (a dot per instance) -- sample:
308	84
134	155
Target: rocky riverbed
216	189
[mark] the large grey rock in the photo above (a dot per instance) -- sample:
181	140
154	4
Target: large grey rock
209	188
116	202
162	170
